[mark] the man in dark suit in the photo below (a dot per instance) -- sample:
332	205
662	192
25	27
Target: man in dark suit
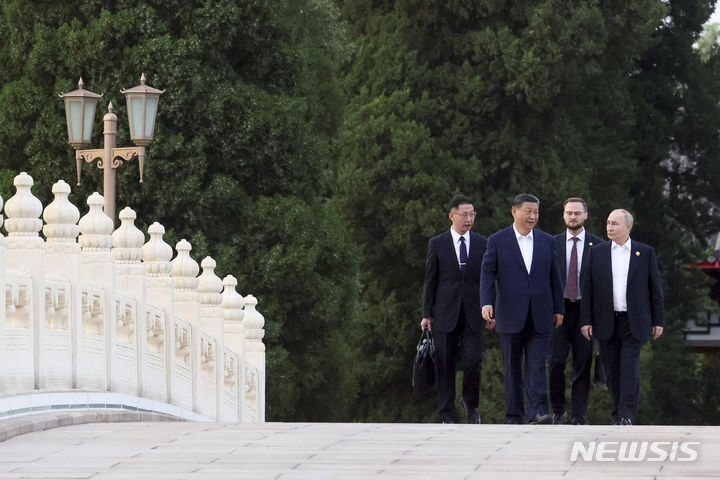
622	305
526	302
451	309
572	247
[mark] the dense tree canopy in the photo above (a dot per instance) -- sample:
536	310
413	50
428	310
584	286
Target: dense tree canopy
310	147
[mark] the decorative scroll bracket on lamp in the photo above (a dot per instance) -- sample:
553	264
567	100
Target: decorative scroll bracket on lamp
116	155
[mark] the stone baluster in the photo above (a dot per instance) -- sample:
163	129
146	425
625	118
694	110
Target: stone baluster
234	338
210	295
25	251
156	257
211	319
128	244
253	323
232	305
132	325
184	271
187	307
96	230
61	229
23	212
62	257
99	316
161	293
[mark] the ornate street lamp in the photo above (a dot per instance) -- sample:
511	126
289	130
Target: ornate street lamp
79	110
142	102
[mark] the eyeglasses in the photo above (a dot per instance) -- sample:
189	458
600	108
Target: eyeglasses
466	214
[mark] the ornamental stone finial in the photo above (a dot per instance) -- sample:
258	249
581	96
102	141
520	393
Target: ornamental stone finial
23	209
253	323
61	216
232	303
184	269
96	227
128	239
157	253
209	284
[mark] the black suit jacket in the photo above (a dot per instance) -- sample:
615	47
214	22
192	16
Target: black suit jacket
447	288
645	307
561	250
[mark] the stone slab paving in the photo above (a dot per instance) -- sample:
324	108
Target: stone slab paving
320	451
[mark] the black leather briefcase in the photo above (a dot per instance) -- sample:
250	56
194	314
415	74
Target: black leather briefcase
423	377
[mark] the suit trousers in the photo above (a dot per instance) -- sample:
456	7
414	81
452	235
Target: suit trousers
535	347
565	337
621	357
461	348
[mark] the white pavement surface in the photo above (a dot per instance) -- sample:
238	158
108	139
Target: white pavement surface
318	451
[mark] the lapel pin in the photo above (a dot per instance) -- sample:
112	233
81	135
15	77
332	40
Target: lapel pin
637	254
590	244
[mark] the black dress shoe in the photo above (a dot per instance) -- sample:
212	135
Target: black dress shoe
560	418
474	417
576	420
625	421
541	419
448	420
615	421
472	414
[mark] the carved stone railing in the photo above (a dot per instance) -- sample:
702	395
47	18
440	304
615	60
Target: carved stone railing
110	320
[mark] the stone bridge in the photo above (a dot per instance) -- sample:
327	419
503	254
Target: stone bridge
111	321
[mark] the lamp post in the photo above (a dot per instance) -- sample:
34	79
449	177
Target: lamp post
142	102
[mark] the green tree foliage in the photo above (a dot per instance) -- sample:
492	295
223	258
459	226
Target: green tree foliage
708	41
239	163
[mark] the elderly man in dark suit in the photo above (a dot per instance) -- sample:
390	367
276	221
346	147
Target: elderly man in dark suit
622	306
451	309
572	247
521	291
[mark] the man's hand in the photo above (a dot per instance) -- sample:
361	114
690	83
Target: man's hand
558	319
426	323
586	330
656	332
488	315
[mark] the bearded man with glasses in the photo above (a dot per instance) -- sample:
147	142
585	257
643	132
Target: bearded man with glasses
572	247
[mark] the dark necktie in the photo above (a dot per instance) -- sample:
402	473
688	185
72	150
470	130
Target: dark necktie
463	254
572	280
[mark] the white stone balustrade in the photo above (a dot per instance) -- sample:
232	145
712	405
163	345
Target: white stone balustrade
110	320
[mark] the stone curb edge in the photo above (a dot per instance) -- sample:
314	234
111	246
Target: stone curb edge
22	424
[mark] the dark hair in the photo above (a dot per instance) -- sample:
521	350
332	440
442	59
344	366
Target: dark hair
577	200
525	197
458	200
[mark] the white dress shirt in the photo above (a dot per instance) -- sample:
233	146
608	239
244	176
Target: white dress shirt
568	251
620	257
525	242
456	242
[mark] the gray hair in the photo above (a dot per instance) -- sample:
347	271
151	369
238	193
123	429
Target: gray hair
628	216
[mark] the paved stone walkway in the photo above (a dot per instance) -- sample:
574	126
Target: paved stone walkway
319	451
